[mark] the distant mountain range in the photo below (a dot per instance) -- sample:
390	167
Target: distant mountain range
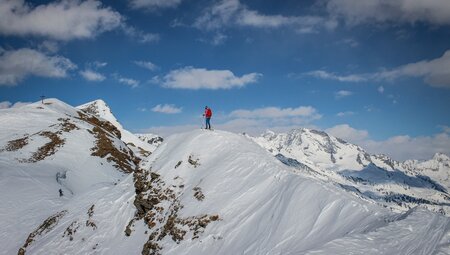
398	185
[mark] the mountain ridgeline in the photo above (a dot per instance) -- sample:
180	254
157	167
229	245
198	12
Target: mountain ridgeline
377	178
74	181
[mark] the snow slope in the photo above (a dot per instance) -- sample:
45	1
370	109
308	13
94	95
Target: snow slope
49	147
200	192
401	186
265	209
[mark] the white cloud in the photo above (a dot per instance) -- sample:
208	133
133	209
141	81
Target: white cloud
258	120
276	112
435	72
344	114
232	12
405	147
141	36
127	81
445	128
331	76
350	42
400	11
147	65
218	39
99	64
254	121
343	93
154	4
400	147
167	108
61	20
49	47
348	133
381	89
200	78
90	75
16	65
130	82
7	104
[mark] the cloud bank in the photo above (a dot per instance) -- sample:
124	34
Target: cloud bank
90	75
401	147
167	109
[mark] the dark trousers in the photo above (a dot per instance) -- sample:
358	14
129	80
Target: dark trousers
208	124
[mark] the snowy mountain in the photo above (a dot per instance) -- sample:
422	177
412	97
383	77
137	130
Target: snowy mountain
150	138
398	185
200	192
101	110
55	161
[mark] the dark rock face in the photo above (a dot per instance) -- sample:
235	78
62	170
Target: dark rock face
158	205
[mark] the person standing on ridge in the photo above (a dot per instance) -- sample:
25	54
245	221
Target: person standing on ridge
207	115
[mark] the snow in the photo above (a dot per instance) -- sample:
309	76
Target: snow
30	190
400	186
264	206
404	236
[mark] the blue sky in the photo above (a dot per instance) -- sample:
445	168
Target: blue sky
374	74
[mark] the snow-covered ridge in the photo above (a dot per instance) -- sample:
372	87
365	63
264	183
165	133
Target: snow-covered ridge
52	155
199	192
150	138
262	207
400	185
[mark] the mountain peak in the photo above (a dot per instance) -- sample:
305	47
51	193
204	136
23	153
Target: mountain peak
441	157
99	108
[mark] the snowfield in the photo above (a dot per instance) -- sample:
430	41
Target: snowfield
199	192
398	185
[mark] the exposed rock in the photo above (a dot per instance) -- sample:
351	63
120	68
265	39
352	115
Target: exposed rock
90	222
44	228
49	148
124	159
17	144
198	194
102	124
158	205
193	161
71	230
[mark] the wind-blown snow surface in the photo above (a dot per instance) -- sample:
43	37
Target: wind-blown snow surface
261	206
400	186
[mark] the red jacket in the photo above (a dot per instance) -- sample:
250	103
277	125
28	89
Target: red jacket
208	113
